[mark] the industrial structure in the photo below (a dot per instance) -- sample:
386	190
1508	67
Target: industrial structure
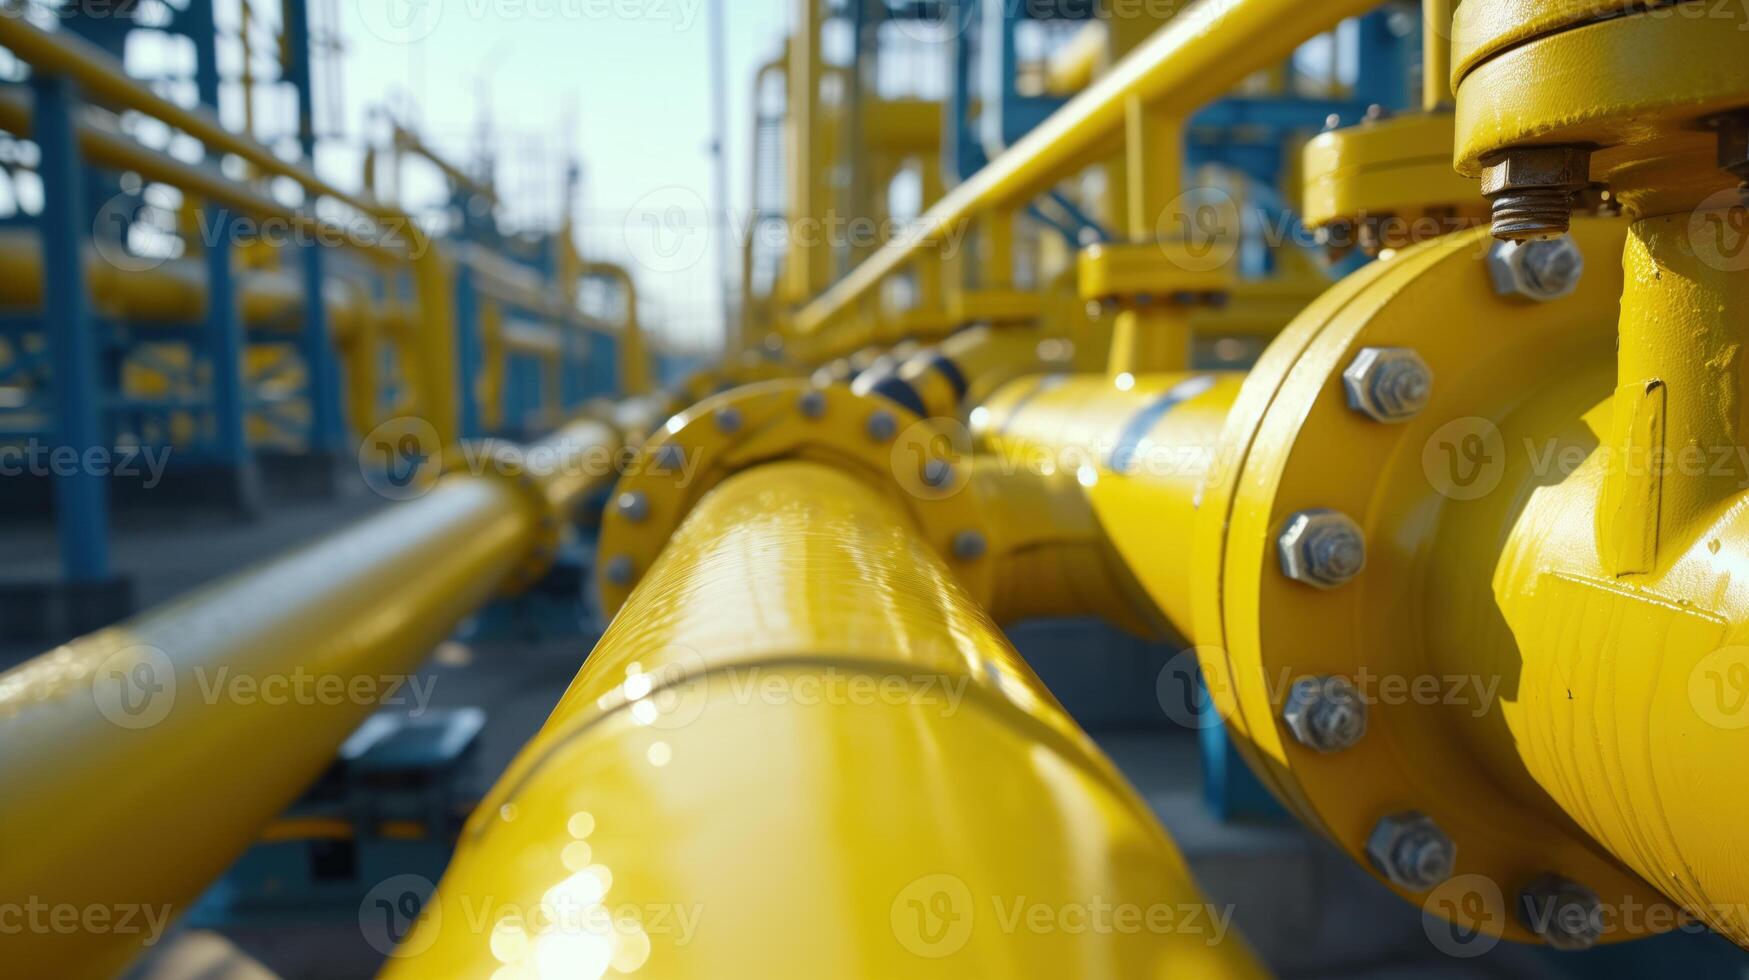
1387	359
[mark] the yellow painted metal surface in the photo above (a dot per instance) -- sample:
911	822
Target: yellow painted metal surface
141	760
1398	167
758	773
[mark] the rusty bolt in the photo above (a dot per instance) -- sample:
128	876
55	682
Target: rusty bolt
1409	849
1325	713
1322	548
1542	270
1532	189
1566	914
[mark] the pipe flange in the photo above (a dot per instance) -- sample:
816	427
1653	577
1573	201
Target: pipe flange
1294	446
790	419
496	459
1386	184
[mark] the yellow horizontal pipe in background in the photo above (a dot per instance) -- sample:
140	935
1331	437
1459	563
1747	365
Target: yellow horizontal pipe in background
801	750
141	760
1192	60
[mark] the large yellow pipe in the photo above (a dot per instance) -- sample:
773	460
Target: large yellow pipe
801	750
141	760
1192	60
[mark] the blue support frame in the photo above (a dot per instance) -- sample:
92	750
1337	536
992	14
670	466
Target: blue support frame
467	349
81	492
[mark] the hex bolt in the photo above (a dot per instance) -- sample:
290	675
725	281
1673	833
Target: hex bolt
1531	189
670	459
728	420
812	404
620	570
1409	849
1541	270
882	426
1566	914
633	505
1388	384
1322	548
969	546
1325	714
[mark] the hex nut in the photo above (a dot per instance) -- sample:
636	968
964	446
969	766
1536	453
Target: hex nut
1537	270
882	426
969	546
1322	548
1388	384
1566	914
728	420
1325	714
1410	850
812	404
633	505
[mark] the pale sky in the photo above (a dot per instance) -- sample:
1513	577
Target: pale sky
623	84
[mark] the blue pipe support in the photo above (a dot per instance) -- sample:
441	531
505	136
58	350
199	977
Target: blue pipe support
468	350
81	494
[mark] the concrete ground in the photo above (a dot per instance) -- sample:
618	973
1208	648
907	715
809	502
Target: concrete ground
1308	910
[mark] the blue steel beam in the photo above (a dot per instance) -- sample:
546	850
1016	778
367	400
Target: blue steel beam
81	493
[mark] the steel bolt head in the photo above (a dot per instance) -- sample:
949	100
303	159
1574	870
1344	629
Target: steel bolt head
812	404
728	420
1325	713
1409	849
937	474
1537	167
1566	914
633	505
1388	384
1537	270
882	426
1322	548
969	546
620	570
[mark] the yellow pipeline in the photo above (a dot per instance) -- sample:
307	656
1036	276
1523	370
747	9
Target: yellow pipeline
141	760
801	751
1144	449
1190	61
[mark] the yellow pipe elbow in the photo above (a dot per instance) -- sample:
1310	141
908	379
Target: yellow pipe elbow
801	750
